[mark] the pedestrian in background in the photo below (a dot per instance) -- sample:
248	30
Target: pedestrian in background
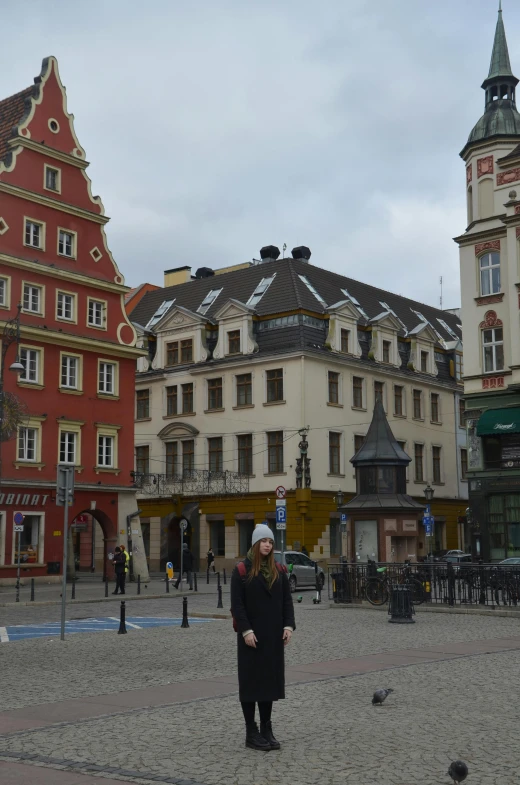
211	559
127	557
119	568
187	566
263	613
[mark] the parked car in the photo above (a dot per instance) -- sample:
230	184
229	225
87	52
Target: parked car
303	572
511	562
459	561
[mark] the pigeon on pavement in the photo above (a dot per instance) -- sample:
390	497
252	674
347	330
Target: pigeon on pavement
380	696
458	771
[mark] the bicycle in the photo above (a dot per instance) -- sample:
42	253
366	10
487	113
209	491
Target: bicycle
377	590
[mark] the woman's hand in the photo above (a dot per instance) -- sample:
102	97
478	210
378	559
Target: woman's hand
287	635
251	640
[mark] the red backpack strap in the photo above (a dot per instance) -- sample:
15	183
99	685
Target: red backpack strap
241	567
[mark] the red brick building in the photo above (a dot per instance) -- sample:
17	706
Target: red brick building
77	344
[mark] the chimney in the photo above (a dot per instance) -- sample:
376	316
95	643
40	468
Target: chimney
177	275
302	253
204	272
269	253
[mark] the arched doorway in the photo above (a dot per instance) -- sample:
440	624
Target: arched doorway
91	541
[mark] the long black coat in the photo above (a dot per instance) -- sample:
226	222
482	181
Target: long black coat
261	671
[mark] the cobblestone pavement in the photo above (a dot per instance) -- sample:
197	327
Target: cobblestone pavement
330	732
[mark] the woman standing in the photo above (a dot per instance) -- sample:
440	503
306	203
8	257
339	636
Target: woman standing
263	611
210	556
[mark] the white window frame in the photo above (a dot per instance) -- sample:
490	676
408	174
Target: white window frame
68	445
103	304
73	319
78	387
34	423
26	221
486	273
47	168
26	435
493	345
73	242
340	387
38	352
105	445
115	378
5	302
105	431
30	288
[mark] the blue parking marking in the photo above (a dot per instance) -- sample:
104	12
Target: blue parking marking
21	631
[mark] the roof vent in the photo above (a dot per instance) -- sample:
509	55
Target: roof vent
204	272
302	253
269	253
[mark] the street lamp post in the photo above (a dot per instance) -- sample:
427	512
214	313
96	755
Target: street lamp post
10	335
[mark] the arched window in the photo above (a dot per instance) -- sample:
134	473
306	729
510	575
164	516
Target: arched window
470	205
486	196
489	273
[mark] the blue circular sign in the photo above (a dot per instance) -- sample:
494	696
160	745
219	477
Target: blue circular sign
18	517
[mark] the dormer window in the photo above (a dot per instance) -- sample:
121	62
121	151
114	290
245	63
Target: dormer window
424	362
234	342
345	335
260	290
489	274
387	349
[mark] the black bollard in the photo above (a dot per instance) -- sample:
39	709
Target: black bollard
106	587
218	579
32	589
219	590
73	592
185	612
195	587
224	573
122	617
139	584
167	584
207	575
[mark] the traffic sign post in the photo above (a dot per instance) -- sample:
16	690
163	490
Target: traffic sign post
64	498
18	519
281	517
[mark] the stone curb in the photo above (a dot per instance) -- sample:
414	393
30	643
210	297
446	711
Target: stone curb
91	768
128	598
472	611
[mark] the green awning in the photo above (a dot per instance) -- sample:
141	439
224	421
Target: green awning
499	421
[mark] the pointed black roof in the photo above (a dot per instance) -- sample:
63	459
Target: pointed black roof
380	447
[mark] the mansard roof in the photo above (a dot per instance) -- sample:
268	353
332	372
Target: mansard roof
288	293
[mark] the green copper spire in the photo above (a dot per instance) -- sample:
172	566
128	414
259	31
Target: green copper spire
500	65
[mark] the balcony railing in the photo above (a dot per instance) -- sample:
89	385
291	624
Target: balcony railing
193	483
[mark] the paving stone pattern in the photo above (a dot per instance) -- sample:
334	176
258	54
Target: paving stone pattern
330	732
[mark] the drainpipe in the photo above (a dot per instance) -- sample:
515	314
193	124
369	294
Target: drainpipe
459	479
129	519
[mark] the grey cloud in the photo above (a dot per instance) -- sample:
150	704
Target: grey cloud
217	126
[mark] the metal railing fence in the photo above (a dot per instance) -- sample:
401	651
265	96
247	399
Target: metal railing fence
492	585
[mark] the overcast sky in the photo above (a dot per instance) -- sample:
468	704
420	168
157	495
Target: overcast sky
214	127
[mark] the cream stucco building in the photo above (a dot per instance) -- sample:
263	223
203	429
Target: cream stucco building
242	361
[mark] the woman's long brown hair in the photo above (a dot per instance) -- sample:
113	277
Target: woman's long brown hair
257	561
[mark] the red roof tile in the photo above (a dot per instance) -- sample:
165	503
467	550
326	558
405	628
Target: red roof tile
12	110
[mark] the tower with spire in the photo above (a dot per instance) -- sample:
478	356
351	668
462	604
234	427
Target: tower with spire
490	300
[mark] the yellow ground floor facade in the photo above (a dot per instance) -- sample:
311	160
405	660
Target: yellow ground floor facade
313	524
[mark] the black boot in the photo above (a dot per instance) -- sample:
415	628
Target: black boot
254	740
266	731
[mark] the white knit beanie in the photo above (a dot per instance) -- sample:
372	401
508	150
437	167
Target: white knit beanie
260	532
